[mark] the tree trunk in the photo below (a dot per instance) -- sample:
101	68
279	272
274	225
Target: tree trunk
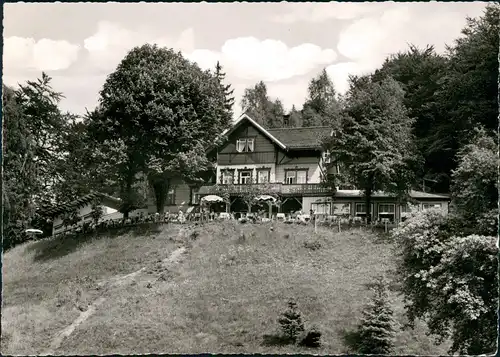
160	188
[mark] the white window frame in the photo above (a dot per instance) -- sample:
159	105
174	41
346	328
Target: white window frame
245	145
334	212
393	213
246	177
170	193
267	175
433	205
297	176
292	177
356	212
325	207
227	177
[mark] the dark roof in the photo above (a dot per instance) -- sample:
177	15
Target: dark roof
301	138
53	211
286	138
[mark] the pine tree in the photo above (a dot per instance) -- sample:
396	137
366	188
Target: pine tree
321	106
228	92
377	329
291	322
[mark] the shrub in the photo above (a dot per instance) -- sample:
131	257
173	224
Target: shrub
376	332
450	279
313	245
312	338
291	322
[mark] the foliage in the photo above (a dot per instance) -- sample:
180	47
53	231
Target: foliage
70	218
295	119
420	71
32	130
373	142
312	338
164	110
377	329
257	104
475	188
228	92
450	279
291	322
321	106
97	210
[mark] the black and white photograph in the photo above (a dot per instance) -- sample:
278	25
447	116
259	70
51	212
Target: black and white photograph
302	178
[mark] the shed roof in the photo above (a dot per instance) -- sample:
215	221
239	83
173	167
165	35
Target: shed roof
110	201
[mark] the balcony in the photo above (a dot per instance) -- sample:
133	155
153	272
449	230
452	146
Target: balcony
308	189
246	158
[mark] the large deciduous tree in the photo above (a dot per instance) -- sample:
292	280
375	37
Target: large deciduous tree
420	72
321	107
165	111
373	142
257	103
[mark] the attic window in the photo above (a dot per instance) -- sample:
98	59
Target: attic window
245	145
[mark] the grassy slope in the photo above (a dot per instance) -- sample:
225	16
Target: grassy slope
223	296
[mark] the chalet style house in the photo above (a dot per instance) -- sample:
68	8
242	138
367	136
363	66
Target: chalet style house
290	162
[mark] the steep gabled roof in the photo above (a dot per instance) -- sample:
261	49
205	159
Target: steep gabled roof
301	138
285	138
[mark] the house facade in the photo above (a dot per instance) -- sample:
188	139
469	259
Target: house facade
290	163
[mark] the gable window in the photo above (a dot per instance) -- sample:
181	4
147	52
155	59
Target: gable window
245	145
263	175
227	177
170	201
295	176
245	177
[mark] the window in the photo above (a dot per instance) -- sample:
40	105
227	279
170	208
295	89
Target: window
263	175
245	145
326	157
295	176
321	208
386	211
245	177
431	205
227	177
361	208
341	209
170	201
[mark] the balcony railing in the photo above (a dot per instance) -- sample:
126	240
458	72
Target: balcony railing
278	188
246	158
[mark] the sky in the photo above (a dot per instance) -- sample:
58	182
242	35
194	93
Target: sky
283	44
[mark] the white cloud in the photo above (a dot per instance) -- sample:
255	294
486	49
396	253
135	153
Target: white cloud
22	53
367	42
319	12
268	60
111	42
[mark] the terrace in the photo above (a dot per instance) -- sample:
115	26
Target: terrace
309	189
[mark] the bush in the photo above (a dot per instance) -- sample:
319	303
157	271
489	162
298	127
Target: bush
449	278
376	332
291	322
313	245
312	338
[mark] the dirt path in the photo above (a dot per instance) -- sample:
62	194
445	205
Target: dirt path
117	281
